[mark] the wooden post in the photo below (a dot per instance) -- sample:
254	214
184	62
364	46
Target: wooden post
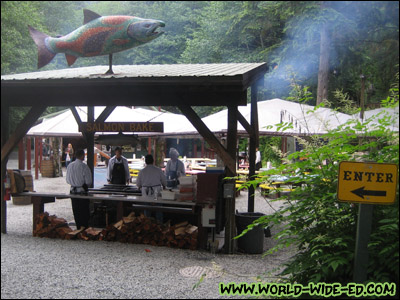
230	229
37	163
5	109
149	146
21	154
364	224
90	142
28	153
253	140
202	148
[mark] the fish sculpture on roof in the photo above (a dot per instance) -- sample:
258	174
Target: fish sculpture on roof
98	36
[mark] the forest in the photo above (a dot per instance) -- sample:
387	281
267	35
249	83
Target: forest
333	50
360	39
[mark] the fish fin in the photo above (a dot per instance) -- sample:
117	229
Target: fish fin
89	16
44	55
70	59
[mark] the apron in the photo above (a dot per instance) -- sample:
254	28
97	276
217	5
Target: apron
118	173
151	191
172	177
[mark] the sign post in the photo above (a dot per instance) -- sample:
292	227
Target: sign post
367	184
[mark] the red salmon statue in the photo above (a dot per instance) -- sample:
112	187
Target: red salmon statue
98	36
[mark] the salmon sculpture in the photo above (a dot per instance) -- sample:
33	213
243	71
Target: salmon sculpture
98	36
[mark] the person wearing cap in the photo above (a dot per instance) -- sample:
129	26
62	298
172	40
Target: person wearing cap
118	169
79	177
175	168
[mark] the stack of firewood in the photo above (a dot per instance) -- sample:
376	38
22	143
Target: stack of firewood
51	226
131	229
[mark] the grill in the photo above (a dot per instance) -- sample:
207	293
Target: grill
116	189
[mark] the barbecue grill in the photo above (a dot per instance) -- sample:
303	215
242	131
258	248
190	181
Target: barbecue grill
116	189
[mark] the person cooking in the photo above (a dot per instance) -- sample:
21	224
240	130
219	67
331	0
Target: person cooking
151	180
79	177
118	169
175	168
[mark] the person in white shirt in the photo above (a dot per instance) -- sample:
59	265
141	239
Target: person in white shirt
118	169
258	159
175	168
79	177
151	180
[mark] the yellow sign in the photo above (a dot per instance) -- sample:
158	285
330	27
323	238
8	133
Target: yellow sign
371	183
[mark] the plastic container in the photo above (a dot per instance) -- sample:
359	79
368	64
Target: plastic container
253	241
186	180
168	195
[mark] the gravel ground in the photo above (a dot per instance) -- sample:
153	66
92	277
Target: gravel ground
46	268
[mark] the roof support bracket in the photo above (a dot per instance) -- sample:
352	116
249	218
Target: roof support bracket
210	138
21	130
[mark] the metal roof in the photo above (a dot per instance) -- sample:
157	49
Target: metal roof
139	71
169	85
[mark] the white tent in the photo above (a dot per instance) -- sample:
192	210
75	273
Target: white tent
372	116
65	125
302	118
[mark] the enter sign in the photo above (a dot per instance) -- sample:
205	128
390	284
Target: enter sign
372	183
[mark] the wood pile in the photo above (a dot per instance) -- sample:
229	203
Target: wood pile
51	226
131	229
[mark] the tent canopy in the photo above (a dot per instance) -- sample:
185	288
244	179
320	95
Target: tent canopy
65	124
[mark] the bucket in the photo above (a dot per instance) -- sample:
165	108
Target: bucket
47	168
253	241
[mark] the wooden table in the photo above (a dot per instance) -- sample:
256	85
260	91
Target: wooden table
141	202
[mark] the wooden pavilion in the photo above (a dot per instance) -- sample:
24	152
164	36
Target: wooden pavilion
181	85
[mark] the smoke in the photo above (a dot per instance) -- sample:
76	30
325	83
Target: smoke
348	22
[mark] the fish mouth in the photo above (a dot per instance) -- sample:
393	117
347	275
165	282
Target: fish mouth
154	30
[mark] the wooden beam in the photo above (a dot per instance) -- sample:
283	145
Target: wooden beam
254	140
245	124
78	120
28	153
76	115
230	228
22	128
38	147
105	113
90	143
4	137
232	135
191	115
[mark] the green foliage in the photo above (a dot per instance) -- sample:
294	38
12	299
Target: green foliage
322	229
18	52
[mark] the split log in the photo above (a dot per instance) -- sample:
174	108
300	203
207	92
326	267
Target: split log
130	229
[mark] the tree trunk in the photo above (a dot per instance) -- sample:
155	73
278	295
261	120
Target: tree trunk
323	71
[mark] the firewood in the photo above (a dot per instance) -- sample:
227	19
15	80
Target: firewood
180	230
92	233
63	231
184	223
190	229
119	224
73	234
130	229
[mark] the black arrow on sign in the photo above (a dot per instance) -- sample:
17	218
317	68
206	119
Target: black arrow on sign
361	192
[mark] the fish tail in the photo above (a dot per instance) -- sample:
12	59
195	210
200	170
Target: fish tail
44	54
